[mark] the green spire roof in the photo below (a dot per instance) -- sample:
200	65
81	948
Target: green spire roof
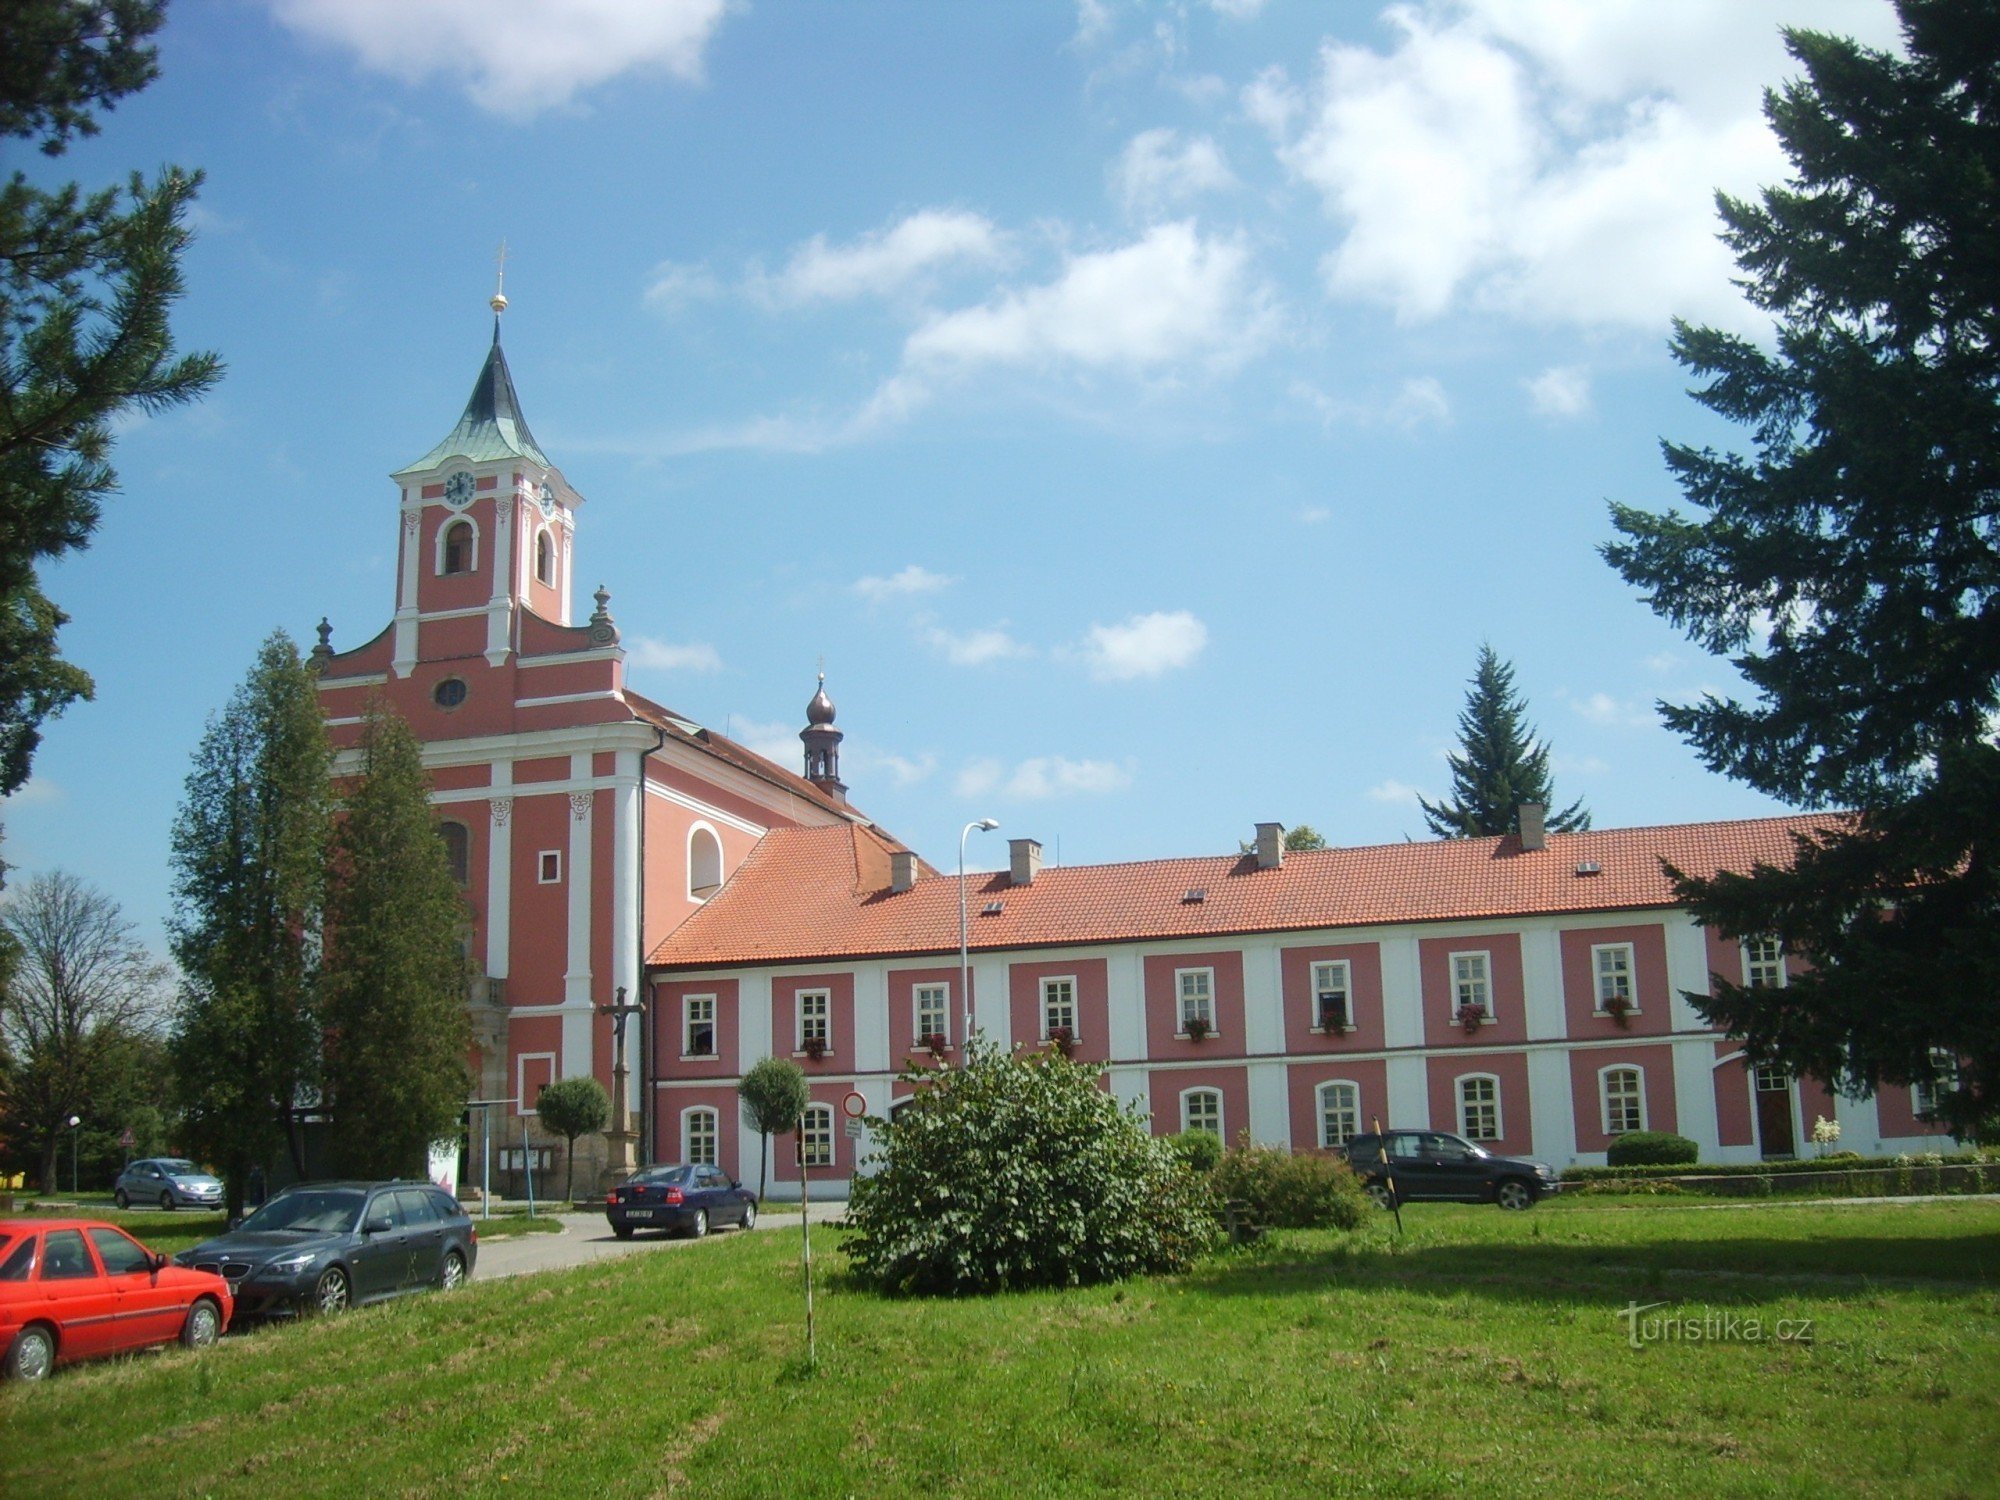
492	427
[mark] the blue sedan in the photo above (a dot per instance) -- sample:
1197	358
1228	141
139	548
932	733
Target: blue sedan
679	1199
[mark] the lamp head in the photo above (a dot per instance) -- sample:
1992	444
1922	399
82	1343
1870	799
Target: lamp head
987	825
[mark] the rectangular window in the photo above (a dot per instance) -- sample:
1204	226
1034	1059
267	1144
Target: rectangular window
1339	1113
1624	1101
1197	992
548	867
1763	963
1613	963
701	1137
815	1019
933	1013
1201	1109
1470	988
698	1026
1331	1008
1925	1096
1479	1109
816	1136
1058	1007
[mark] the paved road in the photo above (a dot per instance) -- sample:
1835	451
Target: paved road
587	1237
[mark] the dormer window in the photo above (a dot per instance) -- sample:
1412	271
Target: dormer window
545	560
455	553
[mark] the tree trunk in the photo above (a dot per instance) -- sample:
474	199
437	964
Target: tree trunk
763	1162
49	1153
569	1172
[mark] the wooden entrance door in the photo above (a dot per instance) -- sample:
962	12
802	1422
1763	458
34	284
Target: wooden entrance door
1774	1112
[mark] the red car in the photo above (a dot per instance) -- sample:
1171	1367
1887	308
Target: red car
71	1289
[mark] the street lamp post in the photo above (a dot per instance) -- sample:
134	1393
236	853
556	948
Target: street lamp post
74	1121
984	825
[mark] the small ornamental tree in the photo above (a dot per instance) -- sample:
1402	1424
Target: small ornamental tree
570	1108
775	1097
1019	1171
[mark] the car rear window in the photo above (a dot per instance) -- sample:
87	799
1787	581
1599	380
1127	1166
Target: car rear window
18	1263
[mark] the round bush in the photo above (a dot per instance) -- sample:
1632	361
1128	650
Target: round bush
1199	1149
1015	1172
1285	1191
1651	1148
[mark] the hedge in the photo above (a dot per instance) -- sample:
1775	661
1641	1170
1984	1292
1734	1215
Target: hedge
1637	1148
1776	1168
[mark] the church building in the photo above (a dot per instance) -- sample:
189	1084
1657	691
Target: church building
624	864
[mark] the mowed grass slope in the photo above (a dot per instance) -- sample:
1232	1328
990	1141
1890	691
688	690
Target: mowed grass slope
1481	1349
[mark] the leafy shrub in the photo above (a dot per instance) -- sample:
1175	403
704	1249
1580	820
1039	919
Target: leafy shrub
1651	1148
1200	1150
1019	1171
1285	1191
1626	1186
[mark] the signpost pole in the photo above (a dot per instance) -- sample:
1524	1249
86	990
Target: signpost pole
805	1228
1395	1198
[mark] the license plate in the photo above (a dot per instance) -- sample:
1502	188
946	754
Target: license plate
638	1213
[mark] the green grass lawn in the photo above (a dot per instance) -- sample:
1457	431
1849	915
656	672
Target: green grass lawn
1480	1349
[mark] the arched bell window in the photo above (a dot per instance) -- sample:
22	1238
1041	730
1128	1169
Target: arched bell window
545	559
456	552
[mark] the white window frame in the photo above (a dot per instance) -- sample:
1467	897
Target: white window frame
458	518
1067	982
523	1104
542	535
548	867
1763	963
1324	1104
1924	1096
1482	985
1205	1093
816	1137
1331	975
939	995
703	892
824	1028
1637	1100
690	1004
1466	1106
1599	952
688	1118
1203	998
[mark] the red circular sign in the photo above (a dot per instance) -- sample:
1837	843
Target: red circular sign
853	1106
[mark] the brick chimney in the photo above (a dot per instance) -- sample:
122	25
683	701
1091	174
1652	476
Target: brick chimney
1532	833
902	870
1024	860
1270	845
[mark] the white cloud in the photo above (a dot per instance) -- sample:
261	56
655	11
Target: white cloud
1554	159
1093	23
1156	171
1236	10
1170	297
1043	777
39	791
1602	708
910	581
1419	401
674	286
902	769
1561	391
1396	793
664	656
519	58
885	262
1663	662
975	648
1144	646
777	743
1314	515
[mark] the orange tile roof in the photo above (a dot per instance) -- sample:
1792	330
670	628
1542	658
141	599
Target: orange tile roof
812	893
708	742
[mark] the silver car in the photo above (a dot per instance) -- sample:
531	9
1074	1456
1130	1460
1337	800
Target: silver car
168	1181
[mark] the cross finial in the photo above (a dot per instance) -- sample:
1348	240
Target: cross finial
499	302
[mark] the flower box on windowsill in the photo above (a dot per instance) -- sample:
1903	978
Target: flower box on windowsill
1619	1009
1472	1017
1332	1026
1196	1030
815	1049
1063	1039
935	1043
701	1056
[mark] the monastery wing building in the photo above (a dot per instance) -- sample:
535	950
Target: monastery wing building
1525	992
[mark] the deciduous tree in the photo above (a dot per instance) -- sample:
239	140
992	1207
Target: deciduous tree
393	981
775	1096
1498	765
573	1107
1850	565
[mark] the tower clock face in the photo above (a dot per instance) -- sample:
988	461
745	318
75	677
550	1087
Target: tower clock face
458	488
547	498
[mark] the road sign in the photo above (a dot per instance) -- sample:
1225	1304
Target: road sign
854	1106
128	1140
854	1130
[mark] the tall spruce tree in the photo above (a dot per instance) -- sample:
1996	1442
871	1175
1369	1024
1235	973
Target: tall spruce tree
1499	766
1851	568
87	284
249	862
393	988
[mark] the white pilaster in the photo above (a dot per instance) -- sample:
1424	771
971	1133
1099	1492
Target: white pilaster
990	1001
1542	985
1860	1125
499	870
576	975
1270	1109
1409	1104
405	660
871	1020
1687	969
1263	1002
1551	1120
1402	997
1125	989
753	1021
625	895
1694	1096
500	605
1129	1087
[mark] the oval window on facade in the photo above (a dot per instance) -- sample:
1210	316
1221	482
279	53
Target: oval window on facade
449	693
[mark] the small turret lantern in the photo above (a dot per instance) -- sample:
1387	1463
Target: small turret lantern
822	742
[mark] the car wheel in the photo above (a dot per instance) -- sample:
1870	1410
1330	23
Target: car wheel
331	1292
121	1199
32	1355
1379	1191
700	1229
1514	1194
203	1326
167	1202
623	1231
454	1271
749	1216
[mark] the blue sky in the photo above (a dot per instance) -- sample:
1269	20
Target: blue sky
1146	411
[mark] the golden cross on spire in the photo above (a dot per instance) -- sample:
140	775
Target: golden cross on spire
499	303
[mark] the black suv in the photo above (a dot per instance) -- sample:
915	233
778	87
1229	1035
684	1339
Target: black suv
325	1246
1428	1165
